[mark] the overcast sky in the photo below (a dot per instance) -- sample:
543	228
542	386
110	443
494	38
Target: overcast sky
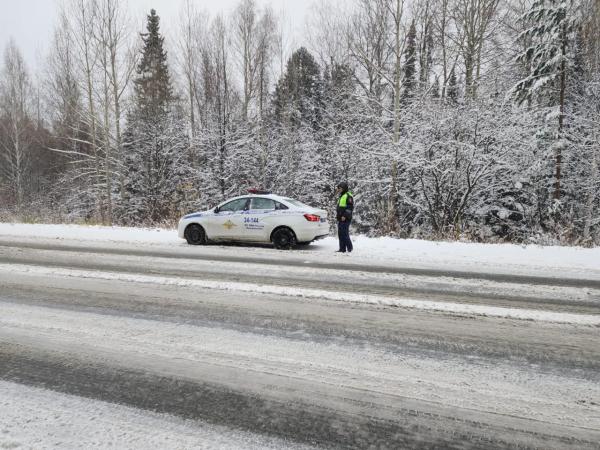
30	22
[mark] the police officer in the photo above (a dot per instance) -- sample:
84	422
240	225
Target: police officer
345	206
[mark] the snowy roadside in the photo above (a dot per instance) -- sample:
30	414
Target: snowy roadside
554	261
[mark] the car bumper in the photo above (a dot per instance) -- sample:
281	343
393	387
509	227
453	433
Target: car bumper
309	234
181	228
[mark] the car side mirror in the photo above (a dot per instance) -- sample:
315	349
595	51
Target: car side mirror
216	210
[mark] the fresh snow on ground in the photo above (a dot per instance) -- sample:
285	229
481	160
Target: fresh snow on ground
505	258
33	418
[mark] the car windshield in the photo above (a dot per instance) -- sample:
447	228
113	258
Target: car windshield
296	203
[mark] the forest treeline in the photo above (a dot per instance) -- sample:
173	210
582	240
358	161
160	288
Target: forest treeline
472	119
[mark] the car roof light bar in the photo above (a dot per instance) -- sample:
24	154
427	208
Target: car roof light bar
258	191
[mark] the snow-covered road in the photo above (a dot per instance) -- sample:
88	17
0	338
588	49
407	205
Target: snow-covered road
242	347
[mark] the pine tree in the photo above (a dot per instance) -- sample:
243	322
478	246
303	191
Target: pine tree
298	94
426	55
547	55
155	141
549	58
338	133
153	90
409	70
435	88
578	71
452	87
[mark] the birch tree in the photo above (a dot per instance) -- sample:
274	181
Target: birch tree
192	39
15	122
473	21
79	17
253	37
369	40
117	62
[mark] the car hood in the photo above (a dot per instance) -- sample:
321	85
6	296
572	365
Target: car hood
198	214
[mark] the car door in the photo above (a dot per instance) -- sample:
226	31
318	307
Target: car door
228	221
259	220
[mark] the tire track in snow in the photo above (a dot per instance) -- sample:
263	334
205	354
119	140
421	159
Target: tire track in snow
445	307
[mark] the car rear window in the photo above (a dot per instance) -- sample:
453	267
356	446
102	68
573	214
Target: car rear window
262	203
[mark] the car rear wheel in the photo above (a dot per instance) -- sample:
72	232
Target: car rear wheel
283	239
195	234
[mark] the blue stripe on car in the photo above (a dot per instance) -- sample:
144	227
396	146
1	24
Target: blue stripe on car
190	216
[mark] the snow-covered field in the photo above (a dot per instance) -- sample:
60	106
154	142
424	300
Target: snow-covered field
497	258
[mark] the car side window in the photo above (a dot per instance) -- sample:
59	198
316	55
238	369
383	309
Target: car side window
234	205
280	206
262	203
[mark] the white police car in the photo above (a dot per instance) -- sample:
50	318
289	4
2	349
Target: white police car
259	217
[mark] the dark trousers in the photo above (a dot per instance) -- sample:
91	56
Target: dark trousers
344	236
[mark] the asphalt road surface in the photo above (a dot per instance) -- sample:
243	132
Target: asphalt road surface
317	354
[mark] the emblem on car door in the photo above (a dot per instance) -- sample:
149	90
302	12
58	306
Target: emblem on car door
229	225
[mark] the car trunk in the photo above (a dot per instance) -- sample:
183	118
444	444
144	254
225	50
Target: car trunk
318	212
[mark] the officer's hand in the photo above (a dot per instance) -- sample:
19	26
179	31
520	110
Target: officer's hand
343	219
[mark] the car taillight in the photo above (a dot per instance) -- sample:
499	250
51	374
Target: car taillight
312	217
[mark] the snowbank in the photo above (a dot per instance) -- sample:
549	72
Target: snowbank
507	258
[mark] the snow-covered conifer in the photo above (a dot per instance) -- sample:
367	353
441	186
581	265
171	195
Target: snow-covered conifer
155	145
409	67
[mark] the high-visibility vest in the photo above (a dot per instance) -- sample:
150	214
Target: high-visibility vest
343	201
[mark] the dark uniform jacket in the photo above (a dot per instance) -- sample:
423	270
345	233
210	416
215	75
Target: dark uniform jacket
345	206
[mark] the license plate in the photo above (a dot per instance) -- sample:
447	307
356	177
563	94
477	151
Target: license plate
323	220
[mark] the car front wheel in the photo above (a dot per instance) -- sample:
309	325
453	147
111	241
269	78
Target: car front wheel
195	235
283	239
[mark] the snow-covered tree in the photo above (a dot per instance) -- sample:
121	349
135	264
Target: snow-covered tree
548	58
16	127
584	160
155	144
405	100
452	86
156	167
152	85
409	68
298	94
